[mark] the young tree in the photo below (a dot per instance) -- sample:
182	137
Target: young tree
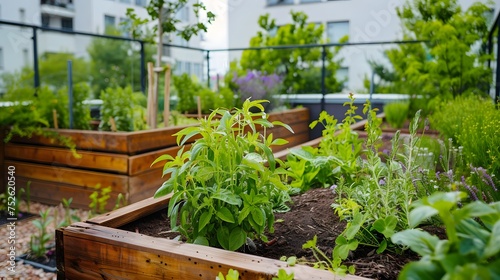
163	13
451	62
300	67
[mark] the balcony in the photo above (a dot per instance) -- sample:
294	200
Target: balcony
61	8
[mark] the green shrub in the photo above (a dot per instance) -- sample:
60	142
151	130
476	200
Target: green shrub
396	113
474	124
224	99
186	89
121	104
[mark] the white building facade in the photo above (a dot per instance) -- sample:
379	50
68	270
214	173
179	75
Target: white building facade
363	21
90	16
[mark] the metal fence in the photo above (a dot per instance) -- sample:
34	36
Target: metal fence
42	49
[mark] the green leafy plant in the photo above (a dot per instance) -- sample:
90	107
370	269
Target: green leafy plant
69	214
232	274
118	103
98	200
333	264
472	247
39	241
396	113
283	275
187	90
338	152
226	186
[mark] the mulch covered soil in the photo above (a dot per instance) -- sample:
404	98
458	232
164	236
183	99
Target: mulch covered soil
311	214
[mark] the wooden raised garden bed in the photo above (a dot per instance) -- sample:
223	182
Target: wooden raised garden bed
98	249
118	159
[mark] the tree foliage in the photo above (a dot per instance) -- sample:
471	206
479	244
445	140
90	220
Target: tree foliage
452	61
300	67
116	63
164	11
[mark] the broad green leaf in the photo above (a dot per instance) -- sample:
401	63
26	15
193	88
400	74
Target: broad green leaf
237	238
493	245
301	153
201	240
225	215
386	226
205	218
310	243
421	270
162	158
343	246
258	216
243	214
419	241
166	188
420	214
383	245
278	123
227	197
473	210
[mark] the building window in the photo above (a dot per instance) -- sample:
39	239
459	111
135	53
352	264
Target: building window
183	14
45	20
67	23
279	2
141	3
125	24
342	75
337	30
125	1
22	15
197	70
188	68
109	21
178	68
1	59
309	1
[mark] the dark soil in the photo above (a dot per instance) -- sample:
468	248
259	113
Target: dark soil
311	214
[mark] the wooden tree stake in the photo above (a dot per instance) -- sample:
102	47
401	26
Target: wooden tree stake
151	107
166	102
113	124
198	100
54	116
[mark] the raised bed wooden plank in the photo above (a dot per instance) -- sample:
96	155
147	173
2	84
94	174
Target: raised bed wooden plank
53	193
90	160
84	140
145	184
82	178
148	140
142	163
129	255
132	212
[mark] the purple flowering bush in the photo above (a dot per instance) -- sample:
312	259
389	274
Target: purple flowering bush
257	85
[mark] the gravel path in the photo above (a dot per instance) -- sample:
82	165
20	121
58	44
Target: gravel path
23	231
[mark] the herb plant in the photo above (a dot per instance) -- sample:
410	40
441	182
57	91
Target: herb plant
40	240
472	247
226	187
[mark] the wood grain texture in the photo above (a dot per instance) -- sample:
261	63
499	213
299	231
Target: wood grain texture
63	175
52	193
89	160
132	212
97	252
